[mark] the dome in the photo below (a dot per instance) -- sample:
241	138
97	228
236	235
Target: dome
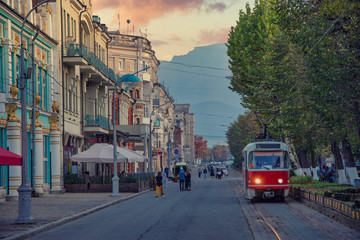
129	78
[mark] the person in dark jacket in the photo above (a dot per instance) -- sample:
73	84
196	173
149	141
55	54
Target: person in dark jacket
205	172
188	180
159	185
182	179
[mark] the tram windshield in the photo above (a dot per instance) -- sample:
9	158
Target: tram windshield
268	160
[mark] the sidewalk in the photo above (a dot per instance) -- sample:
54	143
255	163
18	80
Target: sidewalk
53	210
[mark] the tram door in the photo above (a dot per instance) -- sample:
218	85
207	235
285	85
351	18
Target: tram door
245	164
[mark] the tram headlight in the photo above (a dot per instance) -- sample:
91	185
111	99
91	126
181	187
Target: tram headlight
280	180
257	181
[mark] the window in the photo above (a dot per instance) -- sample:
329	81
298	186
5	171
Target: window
74	35
132	65
122	64
68	25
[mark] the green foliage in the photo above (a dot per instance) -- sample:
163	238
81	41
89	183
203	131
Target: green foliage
74	179
292	173
303	59
301	180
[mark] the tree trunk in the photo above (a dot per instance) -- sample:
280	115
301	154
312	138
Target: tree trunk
314	166
293	159
349	161
338	162
304	161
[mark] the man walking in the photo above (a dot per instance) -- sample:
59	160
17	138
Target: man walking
205	172
159	185
182	179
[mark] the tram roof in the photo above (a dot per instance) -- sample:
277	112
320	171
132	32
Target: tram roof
266	146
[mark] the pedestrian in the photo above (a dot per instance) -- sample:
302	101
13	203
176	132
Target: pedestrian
205	172
164	180
159	185
212	174
199	172
87	180
166	172
218	173
182	179
188	180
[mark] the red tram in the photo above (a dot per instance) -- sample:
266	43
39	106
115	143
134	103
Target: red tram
266	170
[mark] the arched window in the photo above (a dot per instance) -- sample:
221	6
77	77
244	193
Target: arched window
137	121
137	95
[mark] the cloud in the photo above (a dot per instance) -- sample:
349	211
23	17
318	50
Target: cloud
212	37
157	43
175	37
219	6
140	12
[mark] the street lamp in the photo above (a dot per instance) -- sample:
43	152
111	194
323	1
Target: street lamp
152	112
115	179
25	188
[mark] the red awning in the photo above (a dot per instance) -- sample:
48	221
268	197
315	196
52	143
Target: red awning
9	158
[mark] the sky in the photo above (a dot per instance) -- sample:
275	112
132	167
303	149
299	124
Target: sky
174	27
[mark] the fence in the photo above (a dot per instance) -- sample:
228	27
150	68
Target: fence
329	202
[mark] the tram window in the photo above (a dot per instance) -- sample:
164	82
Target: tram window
251	160
286	159
268	160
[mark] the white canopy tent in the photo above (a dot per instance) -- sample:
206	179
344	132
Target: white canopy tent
104	153
132	155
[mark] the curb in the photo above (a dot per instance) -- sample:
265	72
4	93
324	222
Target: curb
61	221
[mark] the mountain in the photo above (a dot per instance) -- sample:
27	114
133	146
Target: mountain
199	78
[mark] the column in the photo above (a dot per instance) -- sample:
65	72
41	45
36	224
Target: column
14	144
55	160
38	161
55	150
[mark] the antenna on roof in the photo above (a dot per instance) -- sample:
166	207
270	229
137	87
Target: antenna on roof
119	21
128	22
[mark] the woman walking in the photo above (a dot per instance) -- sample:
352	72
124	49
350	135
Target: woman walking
159	184
188	180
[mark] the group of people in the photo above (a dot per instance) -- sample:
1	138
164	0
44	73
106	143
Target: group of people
184	179
202	171
327	174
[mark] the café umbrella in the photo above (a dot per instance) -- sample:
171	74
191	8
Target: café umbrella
9	158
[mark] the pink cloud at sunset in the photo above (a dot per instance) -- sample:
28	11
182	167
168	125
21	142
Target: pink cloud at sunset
219	6
213	36
140	12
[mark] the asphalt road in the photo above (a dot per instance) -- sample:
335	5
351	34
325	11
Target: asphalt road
213	209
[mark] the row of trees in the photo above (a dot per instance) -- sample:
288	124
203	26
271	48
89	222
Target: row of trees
216	153
301	58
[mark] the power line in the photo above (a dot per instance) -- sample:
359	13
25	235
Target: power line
202	74
214	115
197	66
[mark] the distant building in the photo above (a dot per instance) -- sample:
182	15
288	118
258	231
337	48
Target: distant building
184	120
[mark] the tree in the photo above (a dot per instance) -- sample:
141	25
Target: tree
201	149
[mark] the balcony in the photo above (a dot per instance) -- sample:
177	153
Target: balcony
96	124
78	54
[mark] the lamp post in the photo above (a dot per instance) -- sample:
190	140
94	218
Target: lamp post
25	188
150	144
115	179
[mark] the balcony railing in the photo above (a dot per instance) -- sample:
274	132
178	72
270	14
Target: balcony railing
75	50
96	121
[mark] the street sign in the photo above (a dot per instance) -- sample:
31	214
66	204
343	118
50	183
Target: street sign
176	151
159	153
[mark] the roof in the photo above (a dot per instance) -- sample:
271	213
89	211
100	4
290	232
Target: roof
129	78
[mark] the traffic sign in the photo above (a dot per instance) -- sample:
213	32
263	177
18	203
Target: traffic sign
176	151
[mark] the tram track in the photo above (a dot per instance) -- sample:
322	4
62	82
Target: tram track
238	189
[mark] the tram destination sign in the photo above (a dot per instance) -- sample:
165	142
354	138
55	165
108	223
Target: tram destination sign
267	145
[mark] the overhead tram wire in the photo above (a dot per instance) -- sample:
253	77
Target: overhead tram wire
196	73
196	66
214	115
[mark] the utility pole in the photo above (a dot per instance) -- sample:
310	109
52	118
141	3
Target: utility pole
25	188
